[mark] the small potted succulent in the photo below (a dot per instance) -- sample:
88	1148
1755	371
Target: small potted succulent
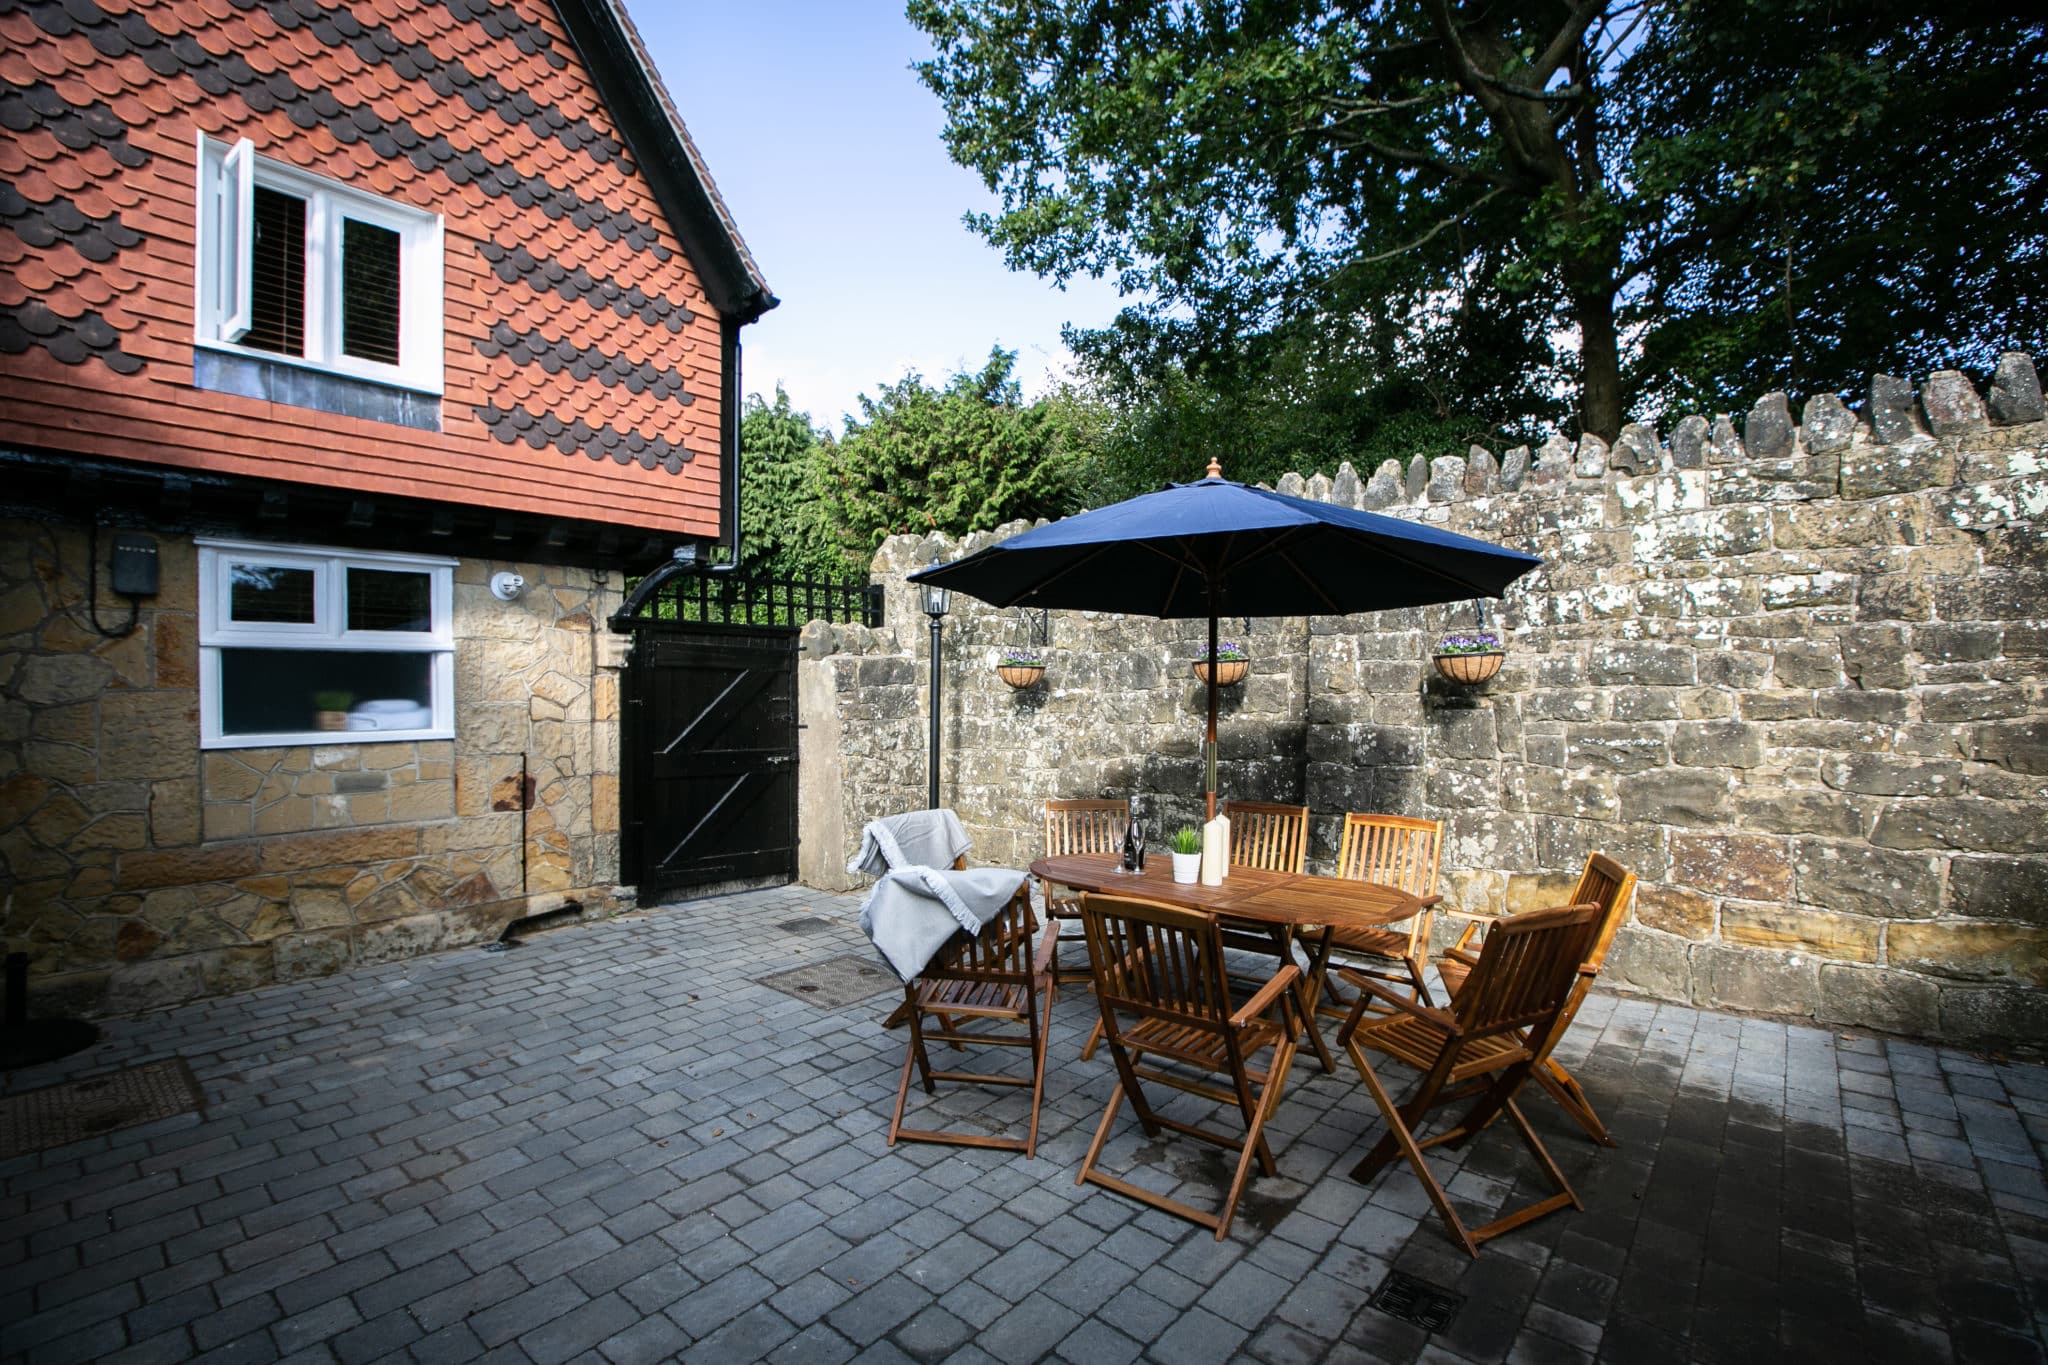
1231	664
1187	854
1020	667
330	710
1470	656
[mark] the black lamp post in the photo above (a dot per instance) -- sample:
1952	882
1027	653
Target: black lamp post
936	601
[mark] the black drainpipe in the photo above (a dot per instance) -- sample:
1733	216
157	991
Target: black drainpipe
729	438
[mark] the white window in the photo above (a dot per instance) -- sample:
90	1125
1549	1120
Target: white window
311	646
296	268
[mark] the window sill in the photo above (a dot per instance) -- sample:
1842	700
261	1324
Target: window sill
325	739
301	386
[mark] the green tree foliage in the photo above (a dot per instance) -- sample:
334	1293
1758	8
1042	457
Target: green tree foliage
1847	188
967	457
1365	388
784	533
1276	177
1279	184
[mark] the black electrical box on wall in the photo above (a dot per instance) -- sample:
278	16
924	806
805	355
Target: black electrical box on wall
134	565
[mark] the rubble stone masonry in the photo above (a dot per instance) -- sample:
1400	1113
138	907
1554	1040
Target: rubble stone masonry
1790	672
137	870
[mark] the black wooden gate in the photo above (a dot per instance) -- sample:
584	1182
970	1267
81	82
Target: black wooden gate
711	736
709	733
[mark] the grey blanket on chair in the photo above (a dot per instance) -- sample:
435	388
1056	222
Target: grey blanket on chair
920	901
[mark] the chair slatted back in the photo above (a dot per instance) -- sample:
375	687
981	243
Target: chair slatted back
1393	850
1085	827
1270	837
1526	971
1610	886
1156	960
999	954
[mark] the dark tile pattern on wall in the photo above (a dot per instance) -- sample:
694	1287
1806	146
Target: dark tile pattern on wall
540	430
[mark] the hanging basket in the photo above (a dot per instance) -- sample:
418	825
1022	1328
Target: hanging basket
1228	671
1471	667
1020	675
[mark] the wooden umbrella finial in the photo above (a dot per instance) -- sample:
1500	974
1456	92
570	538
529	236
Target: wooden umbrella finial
1215	469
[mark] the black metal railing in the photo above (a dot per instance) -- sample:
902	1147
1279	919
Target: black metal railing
785	603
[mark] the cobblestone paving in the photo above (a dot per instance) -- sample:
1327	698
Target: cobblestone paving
611	1145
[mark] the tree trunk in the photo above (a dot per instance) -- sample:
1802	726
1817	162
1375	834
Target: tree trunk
1599	363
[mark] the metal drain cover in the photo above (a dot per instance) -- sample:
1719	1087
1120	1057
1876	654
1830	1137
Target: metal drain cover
57	1114
832	984
1401	1295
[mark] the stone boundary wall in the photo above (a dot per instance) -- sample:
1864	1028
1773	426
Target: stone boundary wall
138	871
1791	672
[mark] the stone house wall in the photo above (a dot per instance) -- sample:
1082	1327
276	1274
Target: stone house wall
1793	675
137	870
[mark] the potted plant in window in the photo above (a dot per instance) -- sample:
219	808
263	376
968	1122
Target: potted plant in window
330	710
1231	664
1187	854
1020	667
1469	657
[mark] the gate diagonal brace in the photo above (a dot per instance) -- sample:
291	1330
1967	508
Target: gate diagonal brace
717	705
708	816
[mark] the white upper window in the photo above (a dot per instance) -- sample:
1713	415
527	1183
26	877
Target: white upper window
311	646
298	268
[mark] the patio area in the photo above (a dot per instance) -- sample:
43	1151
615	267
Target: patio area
611	1143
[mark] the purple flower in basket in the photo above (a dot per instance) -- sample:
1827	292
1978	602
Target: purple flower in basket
1470	642
1226	652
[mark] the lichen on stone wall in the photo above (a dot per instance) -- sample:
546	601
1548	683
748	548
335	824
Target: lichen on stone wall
1789	670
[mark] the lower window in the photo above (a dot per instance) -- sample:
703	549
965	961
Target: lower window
308	646
280	691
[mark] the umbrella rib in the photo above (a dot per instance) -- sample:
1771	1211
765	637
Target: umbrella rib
1386	545
1470	588
1180	571
1081	563
1329	603
1180	563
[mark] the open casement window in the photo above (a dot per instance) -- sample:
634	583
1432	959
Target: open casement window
314	646
296	268
233	209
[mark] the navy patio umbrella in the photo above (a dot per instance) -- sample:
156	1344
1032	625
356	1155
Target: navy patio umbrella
1215	548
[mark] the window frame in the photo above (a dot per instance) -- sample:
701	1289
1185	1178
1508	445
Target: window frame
328	631
228	175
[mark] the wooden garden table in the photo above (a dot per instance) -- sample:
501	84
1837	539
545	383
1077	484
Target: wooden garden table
1280	902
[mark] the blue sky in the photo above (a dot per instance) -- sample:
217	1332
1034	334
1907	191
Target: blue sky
827	150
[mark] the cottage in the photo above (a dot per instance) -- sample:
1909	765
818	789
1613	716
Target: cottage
352	355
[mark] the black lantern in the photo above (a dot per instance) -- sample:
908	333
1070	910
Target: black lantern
937	601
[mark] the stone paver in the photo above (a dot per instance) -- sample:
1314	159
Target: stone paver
610	1144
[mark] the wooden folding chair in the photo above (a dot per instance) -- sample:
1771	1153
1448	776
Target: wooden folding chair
1480	1046
1272	838
1392	850
1604	883
1167	1012
994	977
900	1016
1078	827
1267	836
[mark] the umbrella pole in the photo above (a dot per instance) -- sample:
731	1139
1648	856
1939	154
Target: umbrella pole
1209	754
